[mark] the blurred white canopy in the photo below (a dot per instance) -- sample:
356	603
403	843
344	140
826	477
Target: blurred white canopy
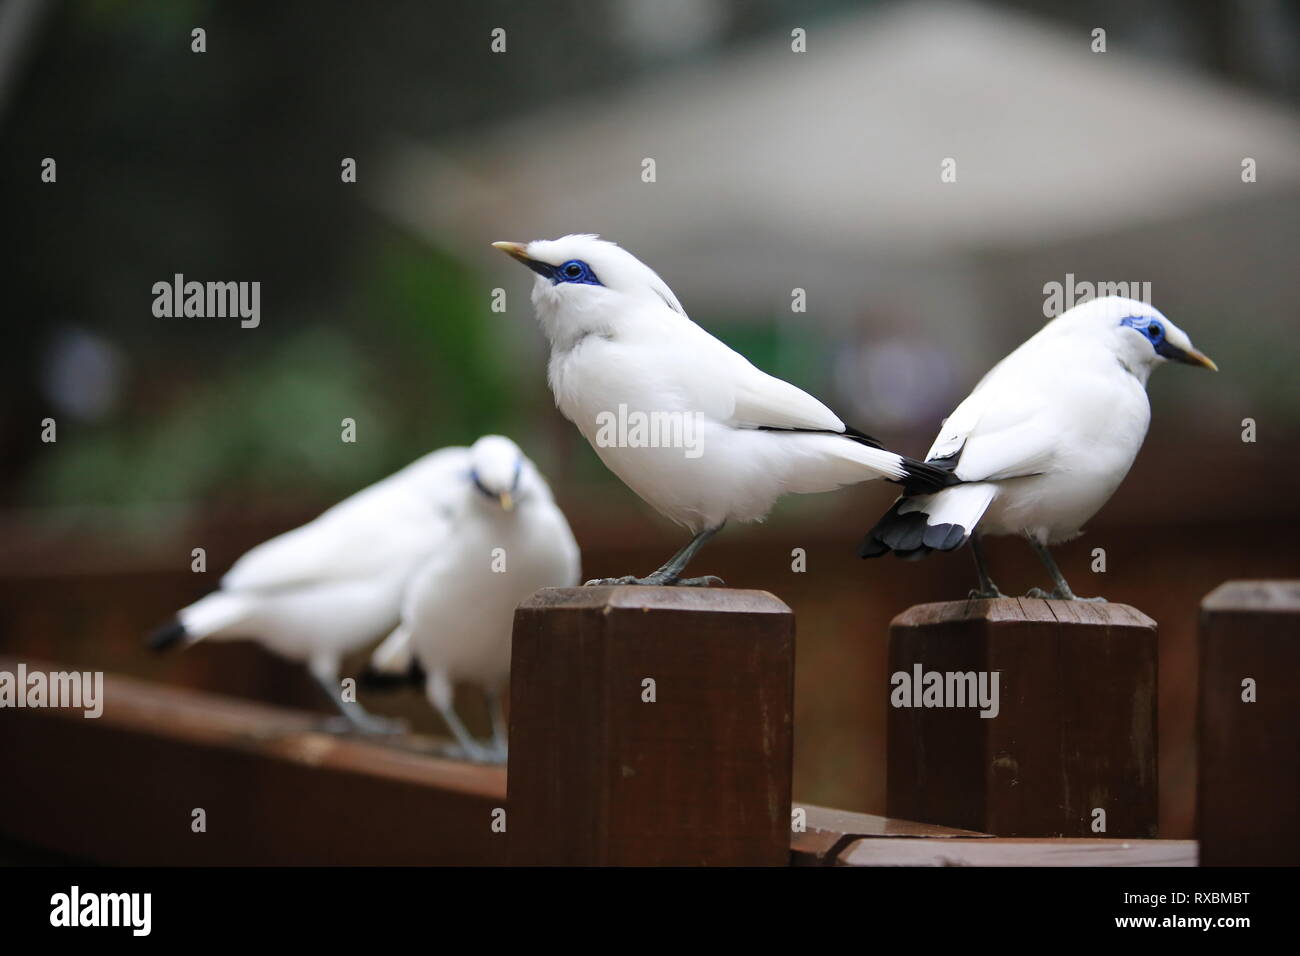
837	151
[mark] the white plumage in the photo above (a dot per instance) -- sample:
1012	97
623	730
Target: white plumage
622	345
458	610
1045	438
335	584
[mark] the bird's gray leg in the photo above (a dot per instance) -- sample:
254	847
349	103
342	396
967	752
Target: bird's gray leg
496	709
1062	591
633	579
442	696
671	572
987	588
353	718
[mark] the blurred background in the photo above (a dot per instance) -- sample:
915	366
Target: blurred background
774	170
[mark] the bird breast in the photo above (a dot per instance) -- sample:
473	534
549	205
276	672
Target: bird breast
1101	419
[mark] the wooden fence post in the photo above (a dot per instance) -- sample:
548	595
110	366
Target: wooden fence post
1069	746
1248	793
651	726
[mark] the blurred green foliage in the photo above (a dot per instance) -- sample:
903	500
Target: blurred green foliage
414	367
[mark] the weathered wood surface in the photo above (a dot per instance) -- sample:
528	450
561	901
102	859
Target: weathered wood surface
1248	792
122	788
828	832
1018	852
700	776
1075	730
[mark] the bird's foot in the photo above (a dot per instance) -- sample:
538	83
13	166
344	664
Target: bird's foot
368	725
657	580
1058	594
985	593
706	581
477	753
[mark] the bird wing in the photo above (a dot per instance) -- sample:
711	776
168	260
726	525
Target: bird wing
760	400
373	530
1001	430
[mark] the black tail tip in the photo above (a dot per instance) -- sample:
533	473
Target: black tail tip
872	547
380	680
173	632
910	536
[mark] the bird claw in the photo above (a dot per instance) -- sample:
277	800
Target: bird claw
981	594
479	754
367	727
655	581
1059	595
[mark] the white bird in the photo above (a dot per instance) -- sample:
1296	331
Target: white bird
1044	439
323	590
508	539
688	424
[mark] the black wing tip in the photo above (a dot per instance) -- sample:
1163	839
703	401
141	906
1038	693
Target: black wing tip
168	635
851	433
862	437
909	536
927	477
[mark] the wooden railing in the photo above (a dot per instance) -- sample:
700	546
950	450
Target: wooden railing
655	726
1064	744
1249	783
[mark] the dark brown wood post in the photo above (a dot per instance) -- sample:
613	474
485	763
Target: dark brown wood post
1248	800
651	726
1071	692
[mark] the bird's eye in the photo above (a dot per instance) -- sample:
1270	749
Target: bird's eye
1155	330
572	270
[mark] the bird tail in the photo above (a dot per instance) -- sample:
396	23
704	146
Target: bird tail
213	615
173	632
393	663
916	477
919	524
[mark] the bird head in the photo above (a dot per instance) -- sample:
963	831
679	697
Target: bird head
497	470
1140	336
584	283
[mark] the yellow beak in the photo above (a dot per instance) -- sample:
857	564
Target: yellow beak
513	249
507	501
1200	358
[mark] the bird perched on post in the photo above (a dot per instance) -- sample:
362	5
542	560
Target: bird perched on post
688	424
321	591
458	610
1044	439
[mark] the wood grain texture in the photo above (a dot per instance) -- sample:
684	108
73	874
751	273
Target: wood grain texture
120	789
701	776
1019	852
828	832
1249	763
1075	732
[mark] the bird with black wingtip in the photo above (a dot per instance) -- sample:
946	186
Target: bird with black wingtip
1043	441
